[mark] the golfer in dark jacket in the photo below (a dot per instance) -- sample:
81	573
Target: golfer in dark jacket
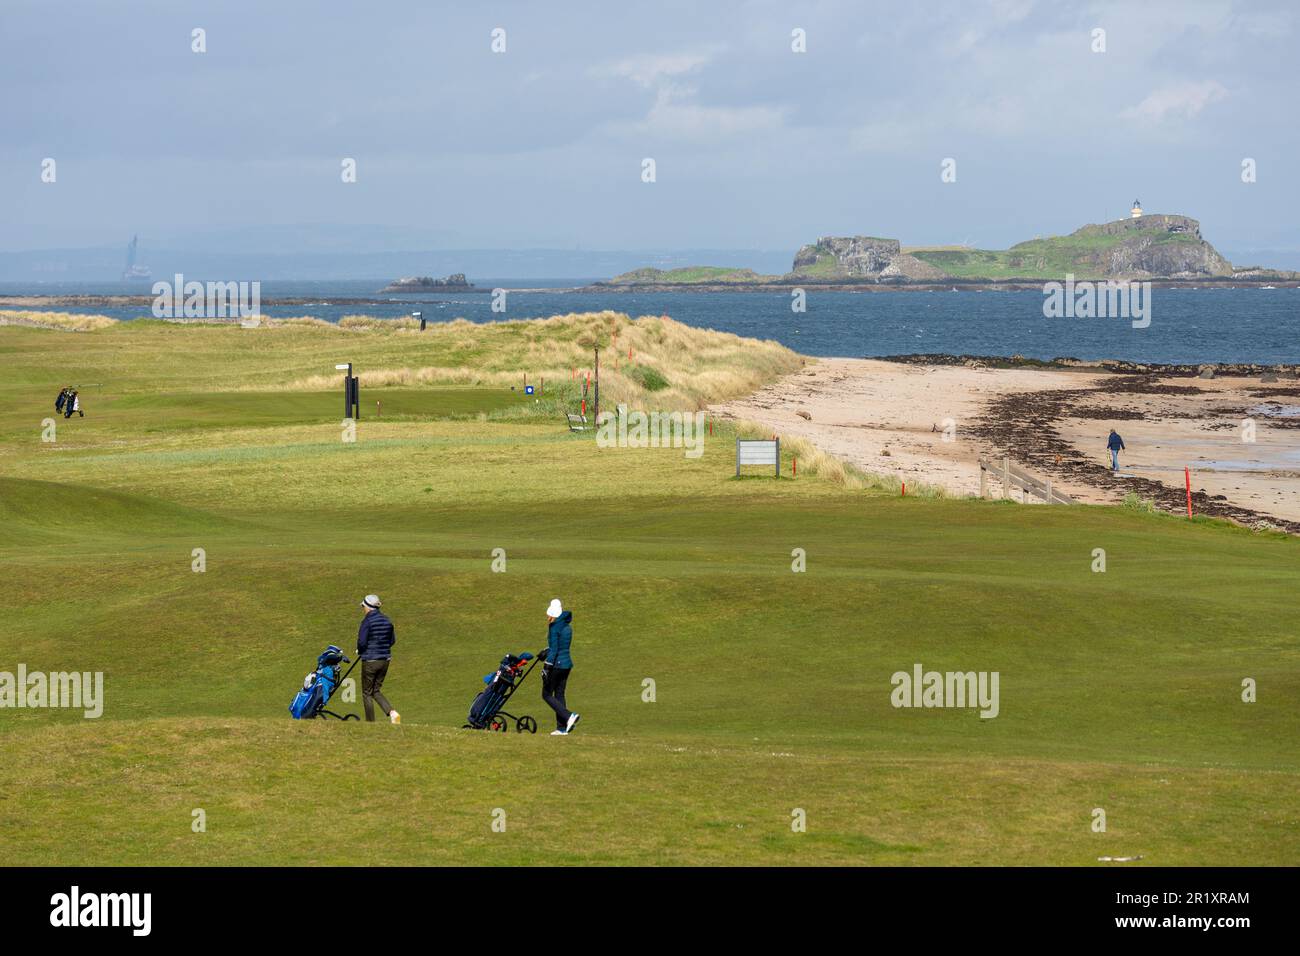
1116	445
557	663
375	642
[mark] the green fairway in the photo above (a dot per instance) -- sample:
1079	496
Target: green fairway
1119	690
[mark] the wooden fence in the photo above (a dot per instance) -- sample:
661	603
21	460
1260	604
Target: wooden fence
1012	476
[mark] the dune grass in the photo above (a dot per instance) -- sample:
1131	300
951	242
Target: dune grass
60	321
771	688
672	367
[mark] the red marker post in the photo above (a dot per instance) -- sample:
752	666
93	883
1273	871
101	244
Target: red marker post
1187	473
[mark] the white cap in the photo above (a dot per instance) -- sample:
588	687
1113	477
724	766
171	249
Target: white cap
372	601
556	609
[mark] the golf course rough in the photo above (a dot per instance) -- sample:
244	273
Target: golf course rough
1119	690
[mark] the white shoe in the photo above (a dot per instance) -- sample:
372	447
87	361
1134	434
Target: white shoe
394	717
573	721
559	733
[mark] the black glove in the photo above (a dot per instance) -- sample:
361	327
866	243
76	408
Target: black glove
541	655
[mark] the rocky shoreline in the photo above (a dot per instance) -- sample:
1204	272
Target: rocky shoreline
1118	366
1023	425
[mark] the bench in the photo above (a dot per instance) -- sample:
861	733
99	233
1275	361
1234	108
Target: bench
577	423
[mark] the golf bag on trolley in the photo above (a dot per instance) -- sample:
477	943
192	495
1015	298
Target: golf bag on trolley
319	687
486	712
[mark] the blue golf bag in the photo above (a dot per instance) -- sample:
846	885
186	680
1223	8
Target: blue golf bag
319	687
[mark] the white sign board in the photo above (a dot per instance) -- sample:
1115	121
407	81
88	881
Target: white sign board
763	452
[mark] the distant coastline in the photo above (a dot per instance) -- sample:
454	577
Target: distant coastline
1166	250
784	284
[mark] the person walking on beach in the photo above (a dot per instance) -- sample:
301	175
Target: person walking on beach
1116	445
556	665
375	641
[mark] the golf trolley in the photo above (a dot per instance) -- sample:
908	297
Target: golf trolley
487	712
329	713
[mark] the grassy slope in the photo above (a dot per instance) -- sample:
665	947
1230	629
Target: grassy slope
1049	258
1119	690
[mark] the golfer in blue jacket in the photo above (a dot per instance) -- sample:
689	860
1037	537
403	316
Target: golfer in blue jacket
557	663
375	640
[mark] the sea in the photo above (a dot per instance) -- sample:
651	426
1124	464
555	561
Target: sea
1186	325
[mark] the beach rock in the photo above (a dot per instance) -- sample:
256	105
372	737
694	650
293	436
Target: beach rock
1267	377
804	415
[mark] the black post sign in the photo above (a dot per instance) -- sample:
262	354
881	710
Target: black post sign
351	393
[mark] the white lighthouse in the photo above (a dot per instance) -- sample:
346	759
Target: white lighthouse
1136	211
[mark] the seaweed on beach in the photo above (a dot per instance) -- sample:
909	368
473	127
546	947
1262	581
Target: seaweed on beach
1022	425
1108	413
1138	385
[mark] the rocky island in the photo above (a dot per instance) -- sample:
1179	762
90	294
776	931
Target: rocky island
1167	250
456	282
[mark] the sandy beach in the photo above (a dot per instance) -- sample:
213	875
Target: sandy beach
931	424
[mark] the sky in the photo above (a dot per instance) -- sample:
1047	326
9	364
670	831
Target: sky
755	145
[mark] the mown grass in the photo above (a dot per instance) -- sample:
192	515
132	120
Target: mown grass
1119	690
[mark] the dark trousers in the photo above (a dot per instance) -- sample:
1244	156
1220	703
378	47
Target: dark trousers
372	681
554	680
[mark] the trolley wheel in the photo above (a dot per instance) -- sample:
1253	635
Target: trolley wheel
526	725
499	724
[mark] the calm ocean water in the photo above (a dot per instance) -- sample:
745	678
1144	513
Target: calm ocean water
1187	325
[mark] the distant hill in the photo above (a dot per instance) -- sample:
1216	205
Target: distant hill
1167	247
1149	247
690	275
